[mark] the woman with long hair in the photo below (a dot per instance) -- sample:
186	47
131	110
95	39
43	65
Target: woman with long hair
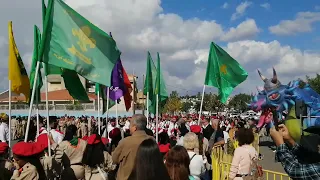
177	163
149	163
70	153
93	158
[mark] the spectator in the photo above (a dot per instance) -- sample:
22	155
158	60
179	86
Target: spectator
207	129
125	153
217	137
245	155
164	143
191	143
149	163
177	163
93	158
5	165
289	157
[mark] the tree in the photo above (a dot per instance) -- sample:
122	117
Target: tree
212	103
314	83
240	101
186	106
173	104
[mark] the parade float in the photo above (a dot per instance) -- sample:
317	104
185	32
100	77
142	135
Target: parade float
278	103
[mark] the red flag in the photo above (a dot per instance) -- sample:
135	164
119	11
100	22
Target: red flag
127	96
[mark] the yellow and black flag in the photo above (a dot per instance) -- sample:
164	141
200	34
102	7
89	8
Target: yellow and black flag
16	71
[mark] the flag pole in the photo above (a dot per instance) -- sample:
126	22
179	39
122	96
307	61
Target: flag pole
9	113
99	125
37	111
201	104
107	113
147	108
32	99
117	120
157	118
47	111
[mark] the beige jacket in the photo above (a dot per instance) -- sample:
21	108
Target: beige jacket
125	153
70	157
27	172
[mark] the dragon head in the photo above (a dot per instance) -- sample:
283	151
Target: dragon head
274	97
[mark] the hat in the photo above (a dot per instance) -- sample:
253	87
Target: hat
164	148
114	133
4	117
94	139
195	129
3	147
26	149
85	138
105	140
42	141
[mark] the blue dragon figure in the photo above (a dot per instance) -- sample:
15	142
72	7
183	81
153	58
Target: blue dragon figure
276	99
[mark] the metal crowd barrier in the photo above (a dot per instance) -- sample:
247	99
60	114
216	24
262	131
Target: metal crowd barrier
221	162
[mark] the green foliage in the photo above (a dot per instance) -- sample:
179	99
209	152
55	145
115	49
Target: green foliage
173	103
186	106
212	103
240	101
314	82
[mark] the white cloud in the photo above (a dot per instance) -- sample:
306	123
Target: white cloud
265	5
240	10
245	29
289	63
225	6
140	25
302	23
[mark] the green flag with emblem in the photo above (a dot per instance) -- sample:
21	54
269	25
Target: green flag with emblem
223	72
71	79
36	45
72	42
160	87
150	82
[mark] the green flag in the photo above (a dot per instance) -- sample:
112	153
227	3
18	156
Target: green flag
73	43
71	79
150	83
36	45
160	87
223	72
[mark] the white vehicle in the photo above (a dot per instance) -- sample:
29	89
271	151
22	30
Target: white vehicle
249	114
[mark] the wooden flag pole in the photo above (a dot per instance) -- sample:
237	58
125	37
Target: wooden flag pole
31	101
201	104
9	113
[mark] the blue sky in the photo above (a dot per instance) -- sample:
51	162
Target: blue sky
279	10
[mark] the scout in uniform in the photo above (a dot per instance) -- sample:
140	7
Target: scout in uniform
6	173
26	161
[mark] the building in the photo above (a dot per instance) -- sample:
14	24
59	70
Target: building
59	96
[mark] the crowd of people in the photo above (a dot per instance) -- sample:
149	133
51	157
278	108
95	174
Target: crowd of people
126	148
